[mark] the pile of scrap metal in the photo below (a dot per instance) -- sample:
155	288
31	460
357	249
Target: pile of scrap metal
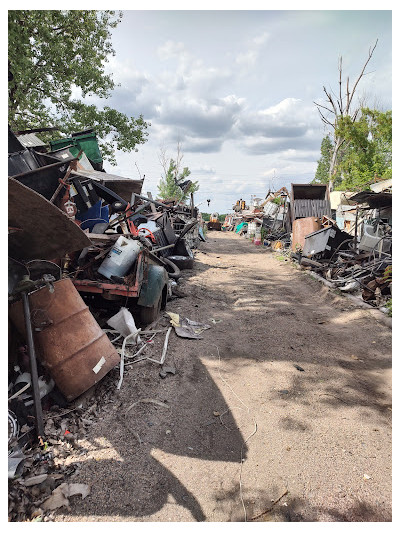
83	244
231	222
276	224
264	222
358	260
344	237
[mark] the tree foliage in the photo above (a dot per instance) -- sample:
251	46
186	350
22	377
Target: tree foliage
172	185
322	173
341	106
57	59
367	149
175	183
365	154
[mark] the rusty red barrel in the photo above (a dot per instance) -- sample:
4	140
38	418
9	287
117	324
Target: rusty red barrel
72	346
302	227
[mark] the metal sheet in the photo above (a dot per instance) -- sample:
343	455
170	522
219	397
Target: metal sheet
309	200
373	199
21	162
30	140
45	231
122	186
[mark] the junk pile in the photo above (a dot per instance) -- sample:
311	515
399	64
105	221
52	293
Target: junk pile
358	260
263	222
84	245
343	237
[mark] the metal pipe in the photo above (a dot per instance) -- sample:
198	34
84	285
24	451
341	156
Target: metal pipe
356	228
152	201
162	248
33	365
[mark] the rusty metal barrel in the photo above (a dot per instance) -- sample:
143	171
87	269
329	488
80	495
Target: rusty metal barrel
302	227
69	343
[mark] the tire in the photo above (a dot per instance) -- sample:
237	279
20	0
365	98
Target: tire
150	314
176	273
182	261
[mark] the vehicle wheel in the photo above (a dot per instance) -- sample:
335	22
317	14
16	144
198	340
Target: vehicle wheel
182	261
150	314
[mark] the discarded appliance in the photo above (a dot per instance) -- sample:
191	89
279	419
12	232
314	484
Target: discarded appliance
324	242
144	284
374	238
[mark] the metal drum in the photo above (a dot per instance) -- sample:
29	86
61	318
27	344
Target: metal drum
68	340
301	228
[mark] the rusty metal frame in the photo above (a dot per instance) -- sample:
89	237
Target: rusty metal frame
119	289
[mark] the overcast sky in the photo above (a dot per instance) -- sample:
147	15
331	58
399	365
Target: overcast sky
237	90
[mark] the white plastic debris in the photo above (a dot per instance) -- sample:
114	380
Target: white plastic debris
124	323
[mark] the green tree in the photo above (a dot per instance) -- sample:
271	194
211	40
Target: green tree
57	58
322	172
175	183
368	149
337	107
172	185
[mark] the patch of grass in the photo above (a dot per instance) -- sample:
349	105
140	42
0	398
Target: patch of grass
388	305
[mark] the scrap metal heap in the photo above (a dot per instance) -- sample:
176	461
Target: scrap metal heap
84	245
343	237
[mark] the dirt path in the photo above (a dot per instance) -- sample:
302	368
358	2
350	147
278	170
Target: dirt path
241	425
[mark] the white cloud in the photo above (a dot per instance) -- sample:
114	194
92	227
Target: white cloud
270	173
170	49
239	97
248	58
261	39
205	169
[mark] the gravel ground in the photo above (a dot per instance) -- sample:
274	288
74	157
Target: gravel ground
242	433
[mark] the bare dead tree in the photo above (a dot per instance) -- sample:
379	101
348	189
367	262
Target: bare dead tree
165	160
178	160
339	106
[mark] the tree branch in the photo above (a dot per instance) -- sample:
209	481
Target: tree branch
371	51
340	101
327	108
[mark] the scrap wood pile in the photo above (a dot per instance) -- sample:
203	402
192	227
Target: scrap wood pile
84	245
